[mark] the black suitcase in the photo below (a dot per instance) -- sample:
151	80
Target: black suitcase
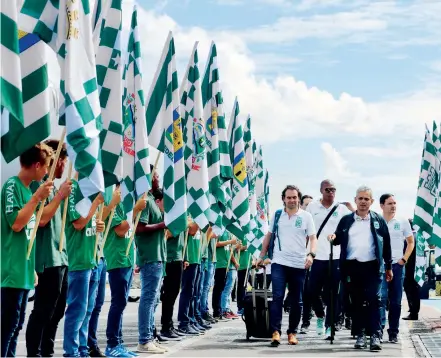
256	311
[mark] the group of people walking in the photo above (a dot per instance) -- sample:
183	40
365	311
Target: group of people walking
366	269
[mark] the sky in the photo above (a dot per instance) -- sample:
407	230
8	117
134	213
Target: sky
337	89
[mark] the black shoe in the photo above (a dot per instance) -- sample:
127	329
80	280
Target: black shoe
170	335
361	342
188	331
375	343
348	323
393	338
197	328
411	317
96	352
204	324
161	339
175	331
209	318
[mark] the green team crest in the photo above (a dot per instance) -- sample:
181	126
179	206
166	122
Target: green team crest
335	214
299	222
431	182
397	226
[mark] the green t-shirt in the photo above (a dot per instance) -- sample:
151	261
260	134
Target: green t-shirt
151	247
211	250
47	242
244	261
16	270
80	243
175	245
193	253
116	246
223	253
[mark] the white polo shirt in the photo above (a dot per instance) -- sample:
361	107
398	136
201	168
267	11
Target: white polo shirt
293	233
319	214
399	230
361	245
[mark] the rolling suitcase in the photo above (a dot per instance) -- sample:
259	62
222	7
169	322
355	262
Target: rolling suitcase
257	310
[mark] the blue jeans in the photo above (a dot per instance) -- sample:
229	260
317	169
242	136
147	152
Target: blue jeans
392	291
185	300
295	278
13	313
151	277
226	293
206	283
119	280
81	295
99	273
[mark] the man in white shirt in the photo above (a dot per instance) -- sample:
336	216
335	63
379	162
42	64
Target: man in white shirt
286	242
364	257
400	231
325	208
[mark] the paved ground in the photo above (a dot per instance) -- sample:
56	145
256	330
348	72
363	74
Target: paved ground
417	339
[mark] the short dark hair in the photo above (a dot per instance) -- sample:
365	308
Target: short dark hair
384	197
53	143
39	153
306	196
158	194
291	187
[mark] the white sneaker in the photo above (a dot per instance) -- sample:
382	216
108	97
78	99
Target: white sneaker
320	326
157	344
328	333
149	348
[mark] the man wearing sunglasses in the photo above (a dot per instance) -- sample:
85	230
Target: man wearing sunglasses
365	256
326	214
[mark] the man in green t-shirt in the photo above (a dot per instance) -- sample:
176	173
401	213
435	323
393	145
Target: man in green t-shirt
51	267
82	286
151	257
120	270
18	276
224	250
209	266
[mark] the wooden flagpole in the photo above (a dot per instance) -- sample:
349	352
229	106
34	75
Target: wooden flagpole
63	222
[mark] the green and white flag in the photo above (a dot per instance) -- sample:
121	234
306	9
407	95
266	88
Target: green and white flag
261	204
240	225
267	192
435	239
195	151
109	70
250	158
136	163
164	127
219	164
67	27
25	93
426	198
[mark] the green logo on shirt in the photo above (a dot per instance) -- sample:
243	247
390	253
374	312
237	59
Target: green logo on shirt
30	227
298	223
376	225
397	226
335	214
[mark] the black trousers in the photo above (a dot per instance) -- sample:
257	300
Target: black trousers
219	284
241	288
307	300
169	292
411	287
49	307
259	281
365	288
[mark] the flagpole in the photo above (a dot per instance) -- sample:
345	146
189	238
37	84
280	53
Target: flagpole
97	235
138	216
63	222
109	223
51	177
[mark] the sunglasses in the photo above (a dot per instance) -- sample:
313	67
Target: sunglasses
330	190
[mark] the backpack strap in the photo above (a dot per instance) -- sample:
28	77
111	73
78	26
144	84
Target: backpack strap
326	219
275	233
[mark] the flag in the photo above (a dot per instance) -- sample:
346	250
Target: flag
240	225
426	198
164	128
435	238
267	192
25	93
250	157
195	151
109	69
99	14
219	164
136	163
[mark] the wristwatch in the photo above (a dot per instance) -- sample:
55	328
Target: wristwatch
312	254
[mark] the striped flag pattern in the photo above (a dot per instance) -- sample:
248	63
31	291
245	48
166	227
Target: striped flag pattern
250	157
164	127
25	93
195	151
136	163
109	69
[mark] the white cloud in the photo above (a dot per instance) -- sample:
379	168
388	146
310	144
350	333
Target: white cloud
335	165
436	66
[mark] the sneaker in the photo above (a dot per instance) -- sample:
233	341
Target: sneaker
161	338
275	341
304	330
226	317
233	315
292	339
157	344
328	333
361	342
133	354
96	352
204	324
393	338
188	331
117	352
170	335
240	312
375	344
320	326
198	327
149	348
209	318
175	331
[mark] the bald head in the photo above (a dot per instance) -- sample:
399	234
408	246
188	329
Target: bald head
326	183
